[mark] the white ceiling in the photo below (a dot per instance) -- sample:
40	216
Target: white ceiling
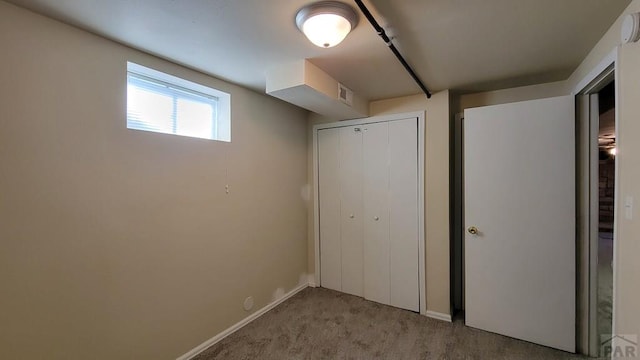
466	45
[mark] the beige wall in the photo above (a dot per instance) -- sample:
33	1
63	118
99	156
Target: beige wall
436	188
120	244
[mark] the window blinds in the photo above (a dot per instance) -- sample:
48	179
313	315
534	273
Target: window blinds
155	105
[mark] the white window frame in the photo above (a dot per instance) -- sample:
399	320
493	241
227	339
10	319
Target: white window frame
223	123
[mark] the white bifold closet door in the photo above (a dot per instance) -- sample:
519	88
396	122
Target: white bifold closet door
351	226
329	205
340	185
403	215
368	201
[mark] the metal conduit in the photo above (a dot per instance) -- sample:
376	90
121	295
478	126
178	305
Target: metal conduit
395	51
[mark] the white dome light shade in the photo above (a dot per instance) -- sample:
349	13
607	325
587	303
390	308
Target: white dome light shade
326	30
326	23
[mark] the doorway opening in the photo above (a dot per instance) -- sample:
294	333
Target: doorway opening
606	208
596	195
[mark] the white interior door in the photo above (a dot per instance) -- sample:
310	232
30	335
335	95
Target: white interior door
519	173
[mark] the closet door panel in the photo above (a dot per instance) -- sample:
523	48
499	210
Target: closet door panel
329	204
376	212
351	209
403	210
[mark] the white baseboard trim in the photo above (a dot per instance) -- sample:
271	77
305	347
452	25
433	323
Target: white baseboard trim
312	281
205	345
438	316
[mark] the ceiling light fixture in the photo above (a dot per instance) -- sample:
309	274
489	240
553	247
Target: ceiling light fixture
326	23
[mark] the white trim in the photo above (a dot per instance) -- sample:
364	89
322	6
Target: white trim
422	274
438	316
593	219
583	86
312	280
369	120
420	115
611	58
616	196
205	345
316	208
174	80
583	180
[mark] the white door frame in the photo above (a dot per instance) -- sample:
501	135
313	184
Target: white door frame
587	86
420	115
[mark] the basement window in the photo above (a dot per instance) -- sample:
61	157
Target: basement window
163	103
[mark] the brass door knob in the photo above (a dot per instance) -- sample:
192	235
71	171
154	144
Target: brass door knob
473	230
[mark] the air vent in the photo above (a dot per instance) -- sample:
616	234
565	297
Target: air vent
345	95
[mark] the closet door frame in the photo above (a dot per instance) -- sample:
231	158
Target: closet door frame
420	117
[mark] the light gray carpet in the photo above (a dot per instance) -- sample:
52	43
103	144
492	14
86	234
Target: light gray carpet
325	324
